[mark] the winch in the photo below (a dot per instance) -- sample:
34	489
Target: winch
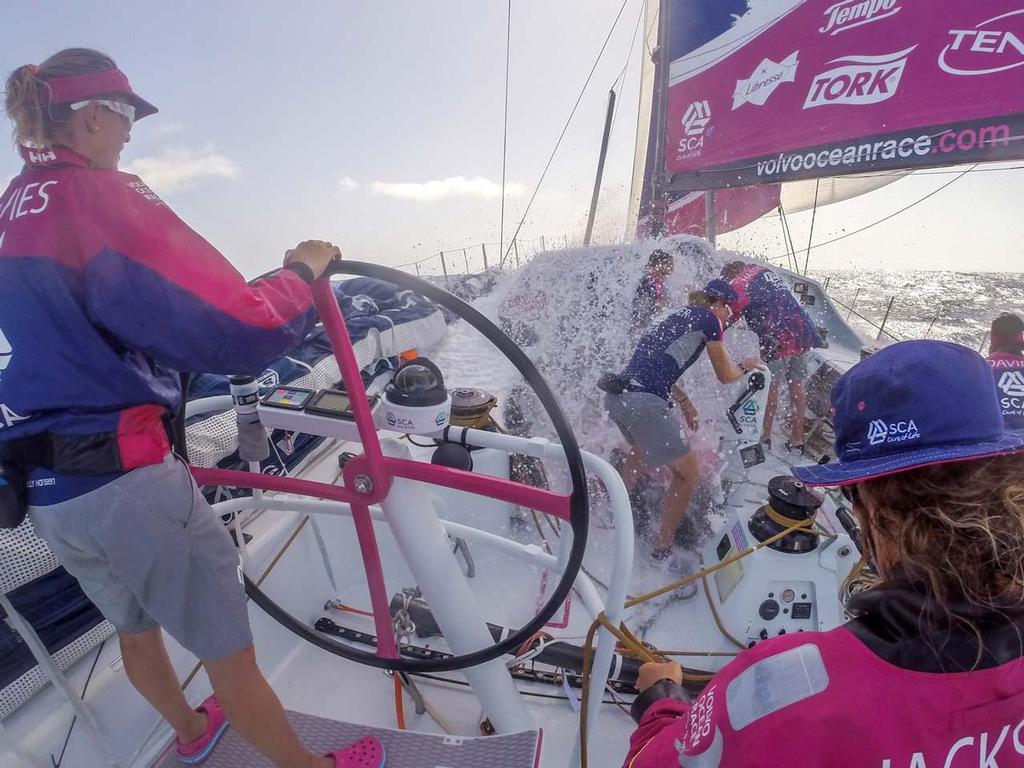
472	408
790	503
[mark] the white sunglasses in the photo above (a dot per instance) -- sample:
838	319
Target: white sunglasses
126	111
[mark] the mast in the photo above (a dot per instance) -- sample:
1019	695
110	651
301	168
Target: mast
661	67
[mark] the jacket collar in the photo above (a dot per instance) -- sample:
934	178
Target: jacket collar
903	625
53	157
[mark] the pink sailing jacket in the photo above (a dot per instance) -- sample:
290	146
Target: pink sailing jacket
105	295
832	700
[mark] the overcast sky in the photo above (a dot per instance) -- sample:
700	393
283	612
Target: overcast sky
379	126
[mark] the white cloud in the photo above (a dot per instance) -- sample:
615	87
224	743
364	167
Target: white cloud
347	184
438	189
179	168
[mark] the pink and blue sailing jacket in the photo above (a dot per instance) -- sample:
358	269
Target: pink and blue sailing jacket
105	294
782	326
901	686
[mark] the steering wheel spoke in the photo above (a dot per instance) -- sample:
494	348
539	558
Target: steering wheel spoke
380	470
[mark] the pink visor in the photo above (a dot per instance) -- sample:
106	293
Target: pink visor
65	90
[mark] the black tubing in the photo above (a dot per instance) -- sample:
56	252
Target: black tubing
579	511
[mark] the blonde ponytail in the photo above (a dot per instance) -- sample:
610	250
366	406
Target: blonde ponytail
26	97
21	100
700	299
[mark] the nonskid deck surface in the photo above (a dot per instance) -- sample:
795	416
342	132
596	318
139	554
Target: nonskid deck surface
405	749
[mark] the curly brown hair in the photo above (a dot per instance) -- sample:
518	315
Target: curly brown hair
36	121
956	528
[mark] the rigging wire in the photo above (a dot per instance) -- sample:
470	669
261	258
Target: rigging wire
504	134
648	30
632	44
893	214
932	172
814	215
788	239
620	81
565	128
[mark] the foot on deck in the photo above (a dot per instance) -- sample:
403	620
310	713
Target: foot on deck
365	753
197	751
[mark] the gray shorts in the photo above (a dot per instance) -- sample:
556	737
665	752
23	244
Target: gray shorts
648	424
149	551
792	368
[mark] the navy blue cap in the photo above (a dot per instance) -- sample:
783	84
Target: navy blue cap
720	289
911	405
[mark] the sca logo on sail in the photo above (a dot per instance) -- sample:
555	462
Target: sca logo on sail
993	45
695	125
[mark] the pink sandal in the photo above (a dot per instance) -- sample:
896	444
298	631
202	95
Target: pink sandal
196	751
365	753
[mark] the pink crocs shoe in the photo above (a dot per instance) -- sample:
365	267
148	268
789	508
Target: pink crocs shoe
196	751
365	753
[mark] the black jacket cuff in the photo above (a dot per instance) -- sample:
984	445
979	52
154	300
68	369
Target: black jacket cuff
302	270
663	689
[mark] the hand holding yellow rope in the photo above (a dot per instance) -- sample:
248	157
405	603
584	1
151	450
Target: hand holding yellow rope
636	647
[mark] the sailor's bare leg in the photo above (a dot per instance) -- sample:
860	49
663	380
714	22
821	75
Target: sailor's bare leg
677	498
632	468
255	712
770	407
150	671
797	411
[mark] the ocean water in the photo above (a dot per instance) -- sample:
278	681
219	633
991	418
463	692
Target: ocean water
955	306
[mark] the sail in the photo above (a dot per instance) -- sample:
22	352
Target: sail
641	158
801	90
803	195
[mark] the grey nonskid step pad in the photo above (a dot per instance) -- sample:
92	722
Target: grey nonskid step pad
405	749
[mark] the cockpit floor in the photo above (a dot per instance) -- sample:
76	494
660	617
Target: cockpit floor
405	749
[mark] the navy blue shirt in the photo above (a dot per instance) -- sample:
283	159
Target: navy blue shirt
670	348
782	326
1008	371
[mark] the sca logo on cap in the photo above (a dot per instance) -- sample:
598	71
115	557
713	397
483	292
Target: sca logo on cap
1012	383
895	432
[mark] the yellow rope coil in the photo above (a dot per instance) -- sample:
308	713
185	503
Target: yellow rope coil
786	522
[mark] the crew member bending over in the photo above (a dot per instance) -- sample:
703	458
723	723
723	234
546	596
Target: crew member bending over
785	333
930	672
1006	356
639	400
104	295
650	297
